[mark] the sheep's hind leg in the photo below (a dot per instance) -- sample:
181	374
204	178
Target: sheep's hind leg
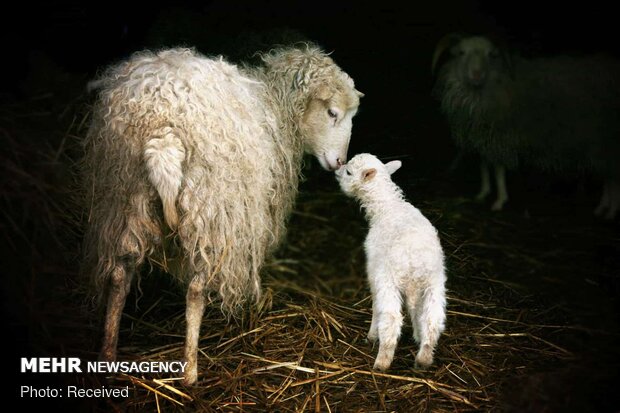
485	182
614	204
610	201
120	284
502	192
195	307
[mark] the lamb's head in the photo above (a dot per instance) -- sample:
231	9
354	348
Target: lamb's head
325	101
363	172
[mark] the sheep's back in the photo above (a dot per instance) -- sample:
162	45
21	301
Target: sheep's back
230	171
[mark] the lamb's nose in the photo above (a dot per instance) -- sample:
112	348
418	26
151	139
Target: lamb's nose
339	162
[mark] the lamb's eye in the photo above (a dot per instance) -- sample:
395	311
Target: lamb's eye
332	113
347	171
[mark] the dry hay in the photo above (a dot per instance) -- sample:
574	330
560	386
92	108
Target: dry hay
303	348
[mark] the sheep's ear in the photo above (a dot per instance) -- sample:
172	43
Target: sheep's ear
368	174
359	94
393	166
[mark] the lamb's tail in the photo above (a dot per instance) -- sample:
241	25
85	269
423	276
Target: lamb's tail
164	154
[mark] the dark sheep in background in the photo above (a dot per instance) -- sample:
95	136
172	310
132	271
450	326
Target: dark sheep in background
560	114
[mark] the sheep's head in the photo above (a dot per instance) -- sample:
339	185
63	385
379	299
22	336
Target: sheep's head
363	171
474	62
328	119
324	98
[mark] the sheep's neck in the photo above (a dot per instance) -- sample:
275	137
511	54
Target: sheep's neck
380	199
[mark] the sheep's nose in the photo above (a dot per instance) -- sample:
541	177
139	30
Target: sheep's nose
340	162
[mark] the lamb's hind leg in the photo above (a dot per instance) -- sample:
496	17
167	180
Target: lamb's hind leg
389	324
412	299
195	307
431	318
120	284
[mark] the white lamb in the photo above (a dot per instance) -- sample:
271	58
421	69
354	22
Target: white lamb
404	260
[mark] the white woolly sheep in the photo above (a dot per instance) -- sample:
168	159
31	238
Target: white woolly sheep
404	260
557	113
192	165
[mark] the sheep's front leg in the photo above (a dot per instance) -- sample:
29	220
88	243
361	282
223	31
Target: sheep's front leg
610	201
389	324
195	307
502	192
485	182
120	284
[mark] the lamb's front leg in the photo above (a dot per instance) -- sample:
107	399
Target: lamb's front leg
389	321
195	307
373	332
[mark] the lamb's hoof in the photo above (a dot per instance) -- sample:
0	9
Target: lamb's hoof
382	363
423	359
381	366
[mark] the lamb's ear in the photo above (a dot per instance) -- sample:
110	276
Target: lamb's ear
368	174
393	166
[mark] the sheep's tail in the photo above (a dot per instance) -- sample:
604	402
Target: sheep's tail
164	154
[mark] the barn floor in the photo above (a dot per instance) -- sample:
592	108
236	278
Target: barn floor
532	316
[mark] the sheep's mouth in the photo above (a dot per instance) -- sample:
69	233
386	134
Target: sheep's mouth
327	164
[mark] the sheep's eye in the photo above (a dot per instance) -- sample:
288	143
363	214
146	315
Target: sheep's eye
347	171
460	52
494	54
332	113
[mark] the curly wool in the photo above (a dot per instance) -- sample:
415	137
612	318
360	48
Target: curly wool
192	164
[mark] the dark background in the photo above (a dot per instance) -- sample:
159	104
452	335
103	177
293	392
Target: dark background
56	48
385	47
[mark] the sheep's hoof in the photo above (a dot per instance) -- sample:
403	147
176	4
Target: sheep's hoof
498	205
190	377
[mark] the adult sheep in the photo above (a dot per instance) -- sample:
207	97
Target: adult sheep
191	164
556	113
